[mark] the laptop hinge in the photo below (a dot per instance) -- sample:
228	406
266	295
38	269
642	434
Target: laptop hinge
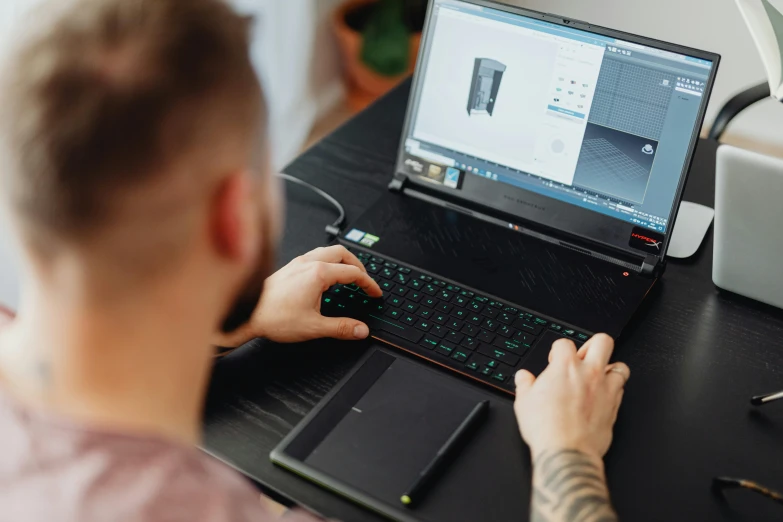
398	182
650	266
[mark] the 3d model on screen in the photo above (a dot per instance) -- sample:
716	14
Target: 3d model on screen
487	75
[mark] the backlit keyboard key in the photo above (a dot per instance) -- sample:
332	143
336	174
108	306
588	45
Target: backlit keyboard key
414	296
500	355
510	346
490	325
525	326
469	343
423	325
429	302
394	313
525	339
454	337
429	343
445	348
440	318
401	278
485	336
439	331
475	307
460	356
470	329
400	290
460	313
444	295
505	318
490	312
444	307
425	313
460	301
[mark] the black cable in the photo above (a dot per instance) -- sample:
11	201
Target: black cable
335	229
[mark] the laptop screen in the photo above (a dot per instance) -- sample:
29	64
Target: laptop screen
590	120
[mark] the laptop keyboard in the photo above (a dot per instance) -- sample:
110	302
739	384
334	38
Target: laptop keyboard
475	335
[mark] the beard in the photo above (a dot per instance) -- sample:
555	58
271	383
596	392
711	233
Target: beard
246	302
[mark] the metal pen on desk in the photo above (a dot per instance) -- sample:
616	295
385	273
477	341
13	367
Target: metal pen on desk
760	400
425	479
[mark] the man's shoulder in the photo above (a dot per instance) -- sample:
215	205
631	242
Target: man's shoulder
117	477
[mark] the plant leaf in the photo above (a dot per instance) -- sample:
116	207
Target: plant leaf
386	47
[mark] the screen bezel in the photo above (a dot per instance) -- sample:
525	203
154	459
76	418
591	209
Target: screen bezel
584	225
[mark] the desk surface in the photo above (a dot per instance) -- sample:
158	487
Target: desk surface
696	355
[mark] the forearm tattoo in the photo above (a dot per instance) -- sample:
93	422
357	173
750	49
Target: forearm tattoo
569	486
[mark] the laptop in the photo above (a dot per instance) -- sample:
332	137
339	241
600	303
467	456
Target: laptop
540	170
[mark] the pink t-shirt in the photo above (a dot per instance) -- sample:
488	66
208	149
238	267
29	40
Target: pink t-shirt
55	471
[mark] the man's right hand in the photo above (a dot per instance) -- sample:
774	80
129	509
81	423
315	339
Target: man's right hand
566	416
573	404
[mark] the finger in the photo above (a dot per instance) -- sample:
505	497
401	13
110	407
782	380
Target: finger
617	375
582	352
341	328
599	350
335	254
331	274
563	350
523	380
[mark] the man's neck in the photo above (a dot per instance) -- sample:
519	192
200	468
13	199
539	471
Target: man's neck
130	366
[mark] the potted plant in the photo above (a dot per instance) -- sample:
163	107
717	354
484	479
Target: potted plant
379	41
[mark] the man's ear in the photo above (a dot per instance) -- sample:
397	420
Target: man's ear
233	219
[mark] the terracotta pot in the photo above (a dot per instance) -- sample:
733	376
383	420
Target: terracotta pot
365	85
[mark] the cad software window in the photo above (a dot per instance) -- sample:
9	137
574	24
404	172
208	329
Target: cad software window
594	121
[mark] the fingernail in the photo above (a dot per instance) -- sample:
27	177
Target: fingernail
361	331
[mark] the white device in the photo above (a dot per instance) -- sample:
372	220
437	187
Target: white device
749	225
693	222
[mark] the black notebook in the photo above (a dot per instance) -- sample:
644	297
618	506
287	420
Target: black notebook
371	437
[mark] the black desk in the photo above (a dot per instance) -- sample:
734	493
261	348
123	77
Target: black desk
696	356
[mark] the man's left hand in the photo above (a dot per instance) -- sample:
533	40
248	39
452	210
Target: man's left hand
290	307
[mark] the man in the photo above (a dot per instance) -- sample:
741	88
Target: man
134	172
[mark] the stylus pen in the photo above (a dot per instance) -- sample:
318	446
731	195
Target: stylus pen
759	400
426	478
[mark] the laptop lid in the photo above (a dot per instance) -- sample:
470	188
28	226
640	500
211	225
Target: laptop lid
583	130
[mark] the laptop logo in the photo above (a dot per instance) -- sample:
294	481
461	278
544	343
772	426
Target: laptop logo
646	240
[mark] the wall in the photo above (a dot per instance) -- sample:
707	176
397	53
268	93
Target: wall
713	25
295	56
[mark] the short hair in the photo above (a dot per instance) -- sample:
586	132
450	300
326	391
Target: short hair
105	95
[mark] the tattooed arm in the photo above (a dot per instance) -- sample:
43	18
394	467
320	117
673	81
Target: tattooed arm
566	416
570	485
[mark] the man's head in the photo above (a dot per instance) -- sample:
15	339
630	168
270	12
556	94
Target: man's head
133	142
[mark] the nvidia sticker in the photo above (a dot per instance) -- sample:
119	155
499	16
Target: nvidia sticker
357	236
